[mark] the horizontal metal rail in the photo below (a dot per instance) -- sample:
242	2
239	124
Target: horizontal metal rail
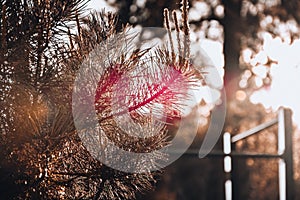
254	130
195	152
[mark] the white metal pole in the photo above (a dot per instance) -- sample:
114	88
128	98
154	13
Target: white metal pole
227	165
281	162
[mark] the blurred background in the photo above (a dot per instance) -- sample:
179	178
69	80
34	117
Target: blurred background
254	44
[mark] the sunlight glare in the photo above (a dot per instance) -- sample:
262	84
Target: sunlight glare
285	75
260	71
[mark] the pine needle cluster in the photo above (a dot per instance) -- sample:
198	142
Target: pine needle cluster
43	45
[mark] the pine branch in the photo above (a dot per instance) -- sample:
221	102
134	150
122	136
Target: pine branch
177	36
186	30
167	26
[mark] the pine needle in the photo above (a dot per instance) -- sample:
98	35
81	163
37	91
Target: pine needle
167	25
186	29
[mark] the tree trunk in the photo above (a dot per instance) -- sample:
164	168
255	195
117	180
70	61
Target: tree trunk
232	22
232	45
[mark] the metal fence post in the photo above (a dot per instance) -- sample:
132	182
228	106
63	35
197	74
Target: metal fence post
285	119
227	165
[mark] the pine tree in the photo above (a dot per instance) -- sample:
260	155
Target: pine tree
42	155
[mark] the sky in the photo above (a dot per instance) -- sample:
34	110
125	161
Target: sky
285	87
